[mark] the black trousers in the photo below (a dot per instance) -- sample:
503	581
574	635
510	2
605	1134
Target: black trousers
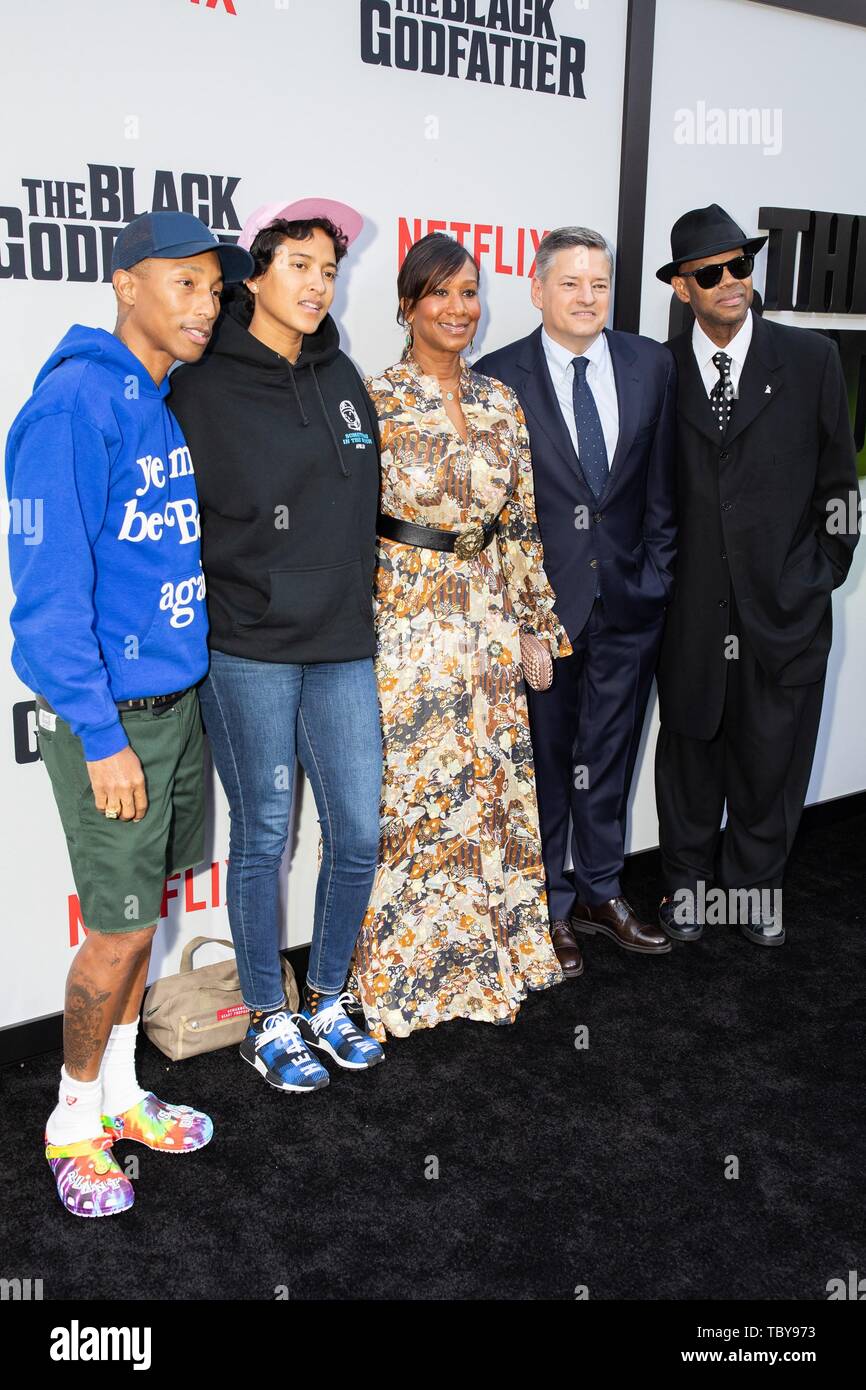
759	763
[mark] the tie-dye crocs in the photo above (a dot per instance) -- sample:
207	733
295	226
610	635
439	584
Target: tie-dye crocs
172	1129
89	1180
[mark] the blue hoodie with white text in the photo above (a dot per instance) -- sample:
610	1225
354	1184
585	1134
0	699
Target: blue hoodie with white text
103	539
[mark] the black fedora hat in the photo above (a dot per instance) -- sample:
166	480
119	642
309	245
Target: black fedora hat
705	232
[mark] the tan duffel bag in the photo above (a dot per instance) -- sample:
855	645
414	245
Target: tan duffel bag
202	1010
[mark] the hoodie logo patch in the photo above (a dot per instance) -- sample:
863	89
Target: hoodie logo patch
350	415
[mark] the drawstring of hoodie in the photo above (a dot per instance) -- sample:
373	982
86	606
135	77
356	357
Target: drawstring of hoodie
304	420
337	450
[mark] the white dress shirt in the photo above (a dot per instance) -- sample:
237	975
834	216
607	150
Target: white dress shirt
600	380
704	350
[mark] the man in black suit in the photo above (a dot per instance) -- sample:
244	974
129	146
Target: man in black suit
766	493
600	408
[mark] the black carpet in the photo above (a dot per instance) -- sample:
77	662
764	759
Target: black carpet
557	1167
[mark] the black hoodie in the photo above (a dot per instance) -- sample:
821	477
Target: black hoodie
286	464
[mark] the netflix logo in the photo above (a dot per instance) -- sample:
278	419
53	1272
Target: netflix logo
227	6
194	896
504	250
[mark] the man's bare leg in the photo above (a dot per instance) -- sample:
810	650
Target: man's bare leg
104	986
120	1085
130	1008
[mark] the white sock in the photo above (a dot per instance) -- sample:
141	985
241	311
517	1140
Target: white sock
78	1112
120	1083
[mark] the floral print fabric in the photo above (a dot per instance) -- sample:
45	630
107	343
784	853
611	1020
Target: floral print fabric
457	922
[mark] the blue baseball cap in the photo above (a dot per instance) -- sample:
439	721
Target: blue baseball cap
171	235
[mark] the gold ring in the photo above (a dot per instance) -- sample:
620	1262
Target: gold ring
110	814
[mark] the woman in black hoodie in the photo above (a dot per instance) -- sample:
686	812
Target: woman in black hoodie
284	443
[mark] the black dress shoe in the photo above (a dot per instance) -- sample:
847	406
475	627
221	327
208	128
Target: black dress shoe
567	950
677	923
763	932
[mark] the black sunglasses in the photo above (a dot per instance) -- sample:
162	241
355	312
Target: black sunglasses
711	275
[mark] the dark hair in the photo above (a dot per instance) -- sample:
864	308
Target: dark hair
265	246
428	264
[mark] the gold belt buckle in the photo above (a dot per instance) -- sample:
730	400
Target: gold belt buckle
470	541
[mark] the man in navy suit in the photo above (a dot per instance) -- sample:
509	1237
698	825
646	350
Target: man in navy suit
601	411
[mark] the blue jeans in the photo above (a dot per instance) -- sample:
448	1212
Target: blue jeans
260	715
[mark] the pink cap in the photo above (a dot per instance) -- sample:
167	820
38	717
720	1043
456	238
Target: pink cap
347	219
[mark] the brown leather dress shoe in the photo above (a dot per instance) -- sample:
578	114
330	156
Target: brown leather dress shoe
618	920
567	950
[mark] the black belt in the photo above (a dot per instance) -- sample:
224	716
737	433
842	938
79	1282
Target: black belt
466	543
157	703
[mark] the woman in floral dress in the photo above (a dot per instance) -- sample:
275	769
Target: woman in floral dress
457	923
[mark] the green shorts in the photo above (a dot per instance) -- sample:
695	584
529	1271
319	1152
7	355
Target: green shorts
120	867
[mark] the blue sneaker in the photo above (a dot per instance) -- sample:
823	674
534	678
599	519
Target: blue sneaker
329	1029
277	1050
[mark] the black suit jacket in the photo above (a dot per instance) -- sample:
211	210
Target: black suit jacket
752	513
625	540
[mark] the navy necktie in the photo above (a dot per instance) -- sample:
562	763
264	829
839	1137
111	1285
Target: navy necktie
591	448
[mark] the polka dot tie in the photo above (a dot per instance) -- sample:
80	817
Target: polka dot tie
591	448
722	394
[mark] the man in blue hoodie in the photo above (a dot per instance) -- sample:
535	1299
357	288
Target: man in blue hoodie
110	634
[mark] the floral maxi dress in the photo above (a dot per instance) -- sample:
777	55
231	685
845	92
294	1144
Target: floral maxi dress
457	923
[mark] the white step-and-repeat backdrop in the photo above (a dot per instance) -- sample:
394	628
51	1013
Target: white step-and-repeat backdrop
493	120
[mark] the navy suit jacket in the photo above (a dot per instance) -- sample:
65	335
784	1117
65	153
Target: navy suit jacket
627	539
